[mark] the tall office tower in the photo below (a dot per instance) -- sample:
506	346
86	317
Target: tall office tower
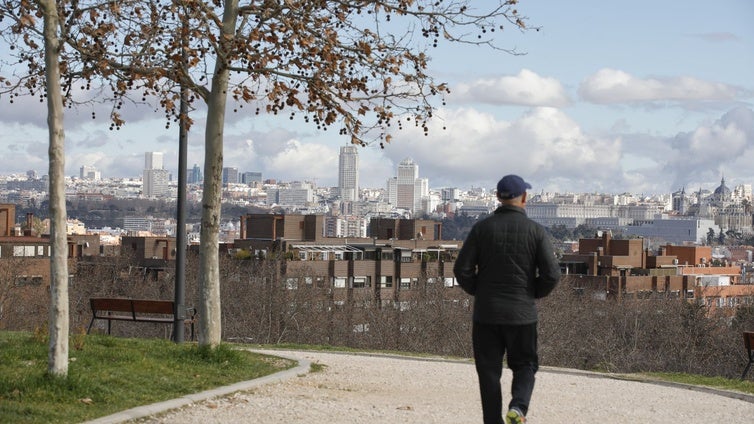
406	190
153	160
450	194
89	173
230	175
251	177
155	179
348	173
194	175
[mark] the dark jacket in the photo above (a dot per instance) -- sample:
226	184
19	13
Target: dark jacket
506	262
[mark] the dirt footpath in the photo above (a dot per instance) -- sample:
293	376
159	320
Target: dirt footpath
352	389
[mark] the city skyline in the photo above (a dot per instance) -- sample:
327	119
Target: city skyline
94	174
598	103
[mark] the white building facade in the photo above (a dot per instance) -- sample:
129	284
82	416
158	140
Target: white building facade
675	230
406	190
155	178
348	173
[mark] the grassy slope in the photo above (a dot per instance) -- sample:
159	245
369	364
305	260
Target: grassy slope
108	374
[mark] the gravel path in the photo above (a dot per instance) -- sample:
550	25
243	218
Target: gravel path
354	389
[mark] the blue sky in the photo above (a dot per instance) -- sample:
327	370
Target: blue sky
642	97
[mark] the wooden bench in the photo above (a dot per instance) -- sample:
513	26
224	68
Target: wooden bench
749	345
137	310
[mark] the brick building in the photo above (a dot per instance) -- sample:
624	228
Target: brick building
25	268
623	268
399	258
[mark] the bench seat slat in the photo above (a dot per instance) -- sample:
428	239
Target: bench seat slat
154	319
117	317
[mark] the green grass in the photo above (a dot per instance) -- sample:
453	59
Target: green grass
108	374
743	386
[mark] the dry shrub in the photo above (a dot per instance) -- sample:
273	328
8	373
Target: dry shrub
577	329
658	333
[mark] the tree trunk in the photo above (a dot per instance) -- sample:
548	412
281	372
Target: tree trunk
210	325
58	349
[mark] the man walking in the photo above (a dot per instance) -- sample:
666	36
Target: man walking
506	262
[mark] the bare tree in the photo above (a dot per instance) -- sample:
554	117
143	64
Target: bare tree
24	17
59	321
357	66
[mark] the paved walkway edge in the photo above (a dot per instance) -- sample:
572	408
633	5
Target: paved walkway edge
649	380
303	367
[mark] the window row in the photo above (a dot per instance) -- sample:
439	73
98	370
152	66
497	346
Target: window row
28	251
365	281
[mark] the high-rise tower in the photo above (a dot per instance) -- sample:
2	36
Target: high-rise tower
348	173
194	175
406	190
89	173
155	178
230	175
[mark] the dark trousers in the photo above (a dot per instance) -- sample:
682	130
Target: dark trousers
491	342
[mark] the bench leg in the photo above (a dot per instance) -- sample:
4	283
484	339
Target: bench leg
90	326
173	334
746	370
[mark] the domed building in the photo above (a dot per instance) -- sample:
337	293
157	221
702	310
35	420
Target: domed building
722	194
728	209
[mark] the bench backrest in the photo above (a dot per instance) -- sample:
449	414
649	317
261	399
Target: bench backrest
132	306
115	305
153	306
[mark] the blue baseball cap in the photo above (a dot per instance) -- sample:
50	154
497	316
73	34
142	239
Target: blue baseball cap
511	186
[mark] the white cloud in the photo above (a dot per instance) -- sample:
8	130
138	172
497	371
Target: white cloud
708	151
126	165
525	89
24	110
27	109
552	151
608	86
303	161
25	154
544	146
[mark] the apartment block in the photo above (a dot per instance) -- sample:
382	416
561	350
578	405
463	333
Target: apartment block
7	220
405	229
346	226
370	269
623	268
25	268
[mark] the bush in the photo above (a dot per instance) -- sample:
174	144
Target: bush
577	329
